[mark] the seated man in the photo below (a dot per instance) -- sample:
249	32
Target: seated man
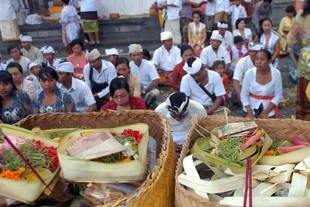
98	75
178	109
166	58
215	52
203	85
79	90
28	50
145	71
222	29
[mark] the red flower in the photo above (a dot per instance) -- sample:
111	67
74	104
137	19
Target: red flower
133	133
51	153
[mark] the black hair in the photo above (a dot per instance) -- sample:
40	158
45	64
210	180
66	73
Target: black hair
146	54
47	72
238	39
66	1
196	12
238	21
267	53
290	9
77	42
306	9
15	65
185	47
6	77
261	31
268	1
122	60
118	83
190	61
12	46
177	98
218	62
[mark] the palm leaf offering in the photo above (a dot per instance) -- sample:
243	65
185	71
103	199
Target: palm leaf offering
15	174
105	155
279	173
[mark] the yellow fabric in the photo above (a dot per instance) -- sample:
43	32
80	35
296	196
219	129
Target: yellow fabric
308	91
161	18
284	27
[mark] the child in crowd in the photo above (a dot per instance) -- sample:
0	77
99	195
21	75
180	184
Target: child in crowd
219	67
70	22
238	51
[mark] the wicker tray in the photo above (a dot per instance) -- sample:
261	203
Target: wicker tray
276	129
158	187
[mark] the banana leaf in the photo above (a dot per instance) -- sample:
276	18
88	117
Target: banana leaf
53	133
202	148
26	191
78	170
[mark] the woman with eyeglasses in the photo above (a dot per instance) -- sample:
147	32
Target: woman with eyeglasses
120	97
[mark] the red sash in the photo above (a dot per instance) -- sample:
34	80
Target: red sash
268	98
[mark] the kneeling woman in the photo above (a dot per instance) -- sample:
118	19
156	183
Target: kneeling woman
121	99
14	105
52	99
262	88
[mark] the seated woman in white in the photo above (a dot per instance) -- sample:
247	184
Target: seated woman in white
262	88
271	40
244	32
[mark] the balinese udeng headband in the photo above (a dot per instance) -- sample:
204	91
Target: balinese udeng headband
222	25
174	110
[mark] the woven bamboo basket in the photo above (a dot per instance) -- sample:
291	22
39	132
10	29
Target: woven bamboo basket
276	129
158	187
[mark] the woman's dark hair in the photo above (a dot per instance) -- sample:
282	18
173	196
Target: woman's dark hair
77	42
217	63
197	12
15	65
146	54
268	1
238	21
118	83
261	31
306	9
238	39
6	77
122	60
184	48
47	72
267	53
290	9
66	1
12	46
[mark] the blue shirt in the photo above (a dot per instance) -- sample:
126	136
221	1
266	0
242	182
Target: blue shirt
63	103
19	109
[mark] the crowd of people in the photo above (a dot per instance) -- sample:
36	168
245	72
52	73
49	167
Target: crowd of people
211	60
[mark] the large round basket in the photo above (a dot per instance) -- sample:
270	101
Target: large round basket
276	129
158	187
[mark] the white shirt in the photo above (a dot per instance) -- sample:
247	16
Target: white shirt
273	88
24	62
88	5
228	40
272	42
7	10
222	6
55	63
167	60
247	34
146	72
242	66
81	94
174	12
32	87
2	66
193	90
106	74
237	12
208	56
210	8
184	125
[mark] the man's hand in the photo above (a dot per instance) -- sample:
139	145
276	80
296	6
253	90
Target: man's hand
263	115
